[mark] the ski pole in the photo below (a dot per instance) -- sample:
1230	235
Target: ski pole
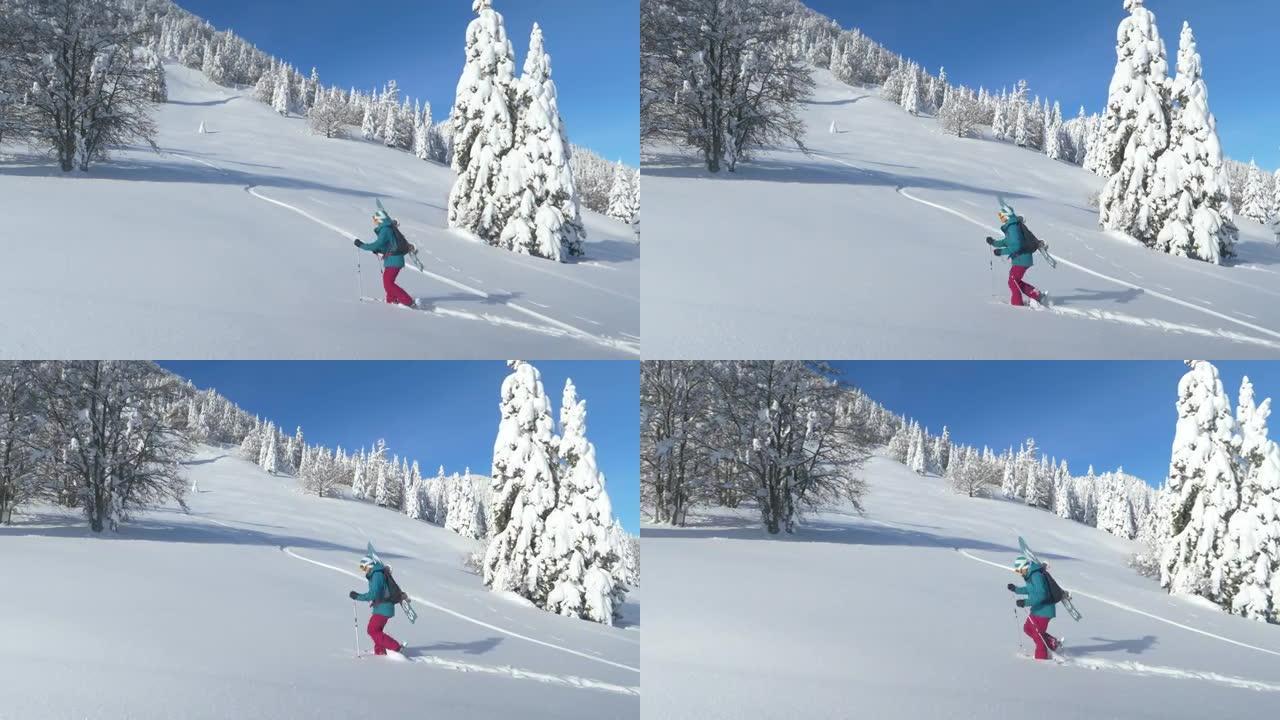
359	278
355	625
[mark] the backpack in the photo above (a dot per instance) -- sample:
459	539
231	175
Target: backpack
403	246
394	593
1030	244
1056	593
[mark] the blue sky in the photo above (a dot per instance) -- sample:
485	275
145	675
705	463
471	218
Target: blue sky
438	413
1107	413
594	47
1067	51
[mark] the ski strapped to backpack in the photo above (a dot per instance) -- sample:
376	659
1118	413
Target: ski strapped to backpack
1056	593
403	246
394	594
1032	244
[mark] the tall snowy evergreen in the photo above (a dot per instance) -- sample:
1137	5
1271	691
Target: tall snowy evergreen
538	187
463	515
523	486
579	554
280	94
1256	203
1136	128
620	195
1202	490
1196	204
482	126
1252	554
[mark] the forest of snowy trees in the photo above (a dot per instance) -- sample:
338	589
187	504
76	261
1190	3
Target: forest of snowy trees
105	94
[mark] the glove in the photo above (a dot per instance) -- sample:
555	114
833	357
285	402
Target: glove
358	243
1010	586
991	241
352	594
1021	603
996	253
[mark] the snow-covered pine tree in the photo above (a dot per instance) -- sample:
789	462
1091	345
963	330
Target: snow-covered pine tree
1009	476
368	126
464	511
1063	493
1252	575
1256	203
523	486
270	460
390	115
1053	134
482	126
999	122
578	557
1202	490
538	188
1136	128
942	446
918	461
280	99
381	487
420	144
620	195
1195	200
910	100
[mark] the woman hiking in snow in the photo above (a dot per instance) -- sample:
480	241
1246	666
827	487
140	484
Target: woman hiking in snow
1040	607
392	263
384	609
1012	245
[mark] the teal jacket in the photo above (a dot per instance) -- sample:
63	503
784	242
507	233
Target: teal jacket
377	591
385	243
1037	592
1011	243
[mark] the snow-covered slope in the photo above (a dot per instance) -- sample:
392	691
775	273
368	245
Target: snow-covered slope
240	609
237	243
872	246
904	614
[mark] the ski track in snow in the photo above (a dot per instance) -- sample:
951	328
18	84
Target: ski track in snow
1138	668
568	681
1144	613
632	348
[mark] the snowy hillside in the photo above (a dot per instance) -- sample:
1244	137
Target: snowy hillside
237	242
240	609
872	246
904	613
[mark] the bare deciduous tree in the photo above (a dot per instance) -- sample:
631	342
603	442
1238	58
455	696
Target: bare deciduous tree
107	419
721	76
83	65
